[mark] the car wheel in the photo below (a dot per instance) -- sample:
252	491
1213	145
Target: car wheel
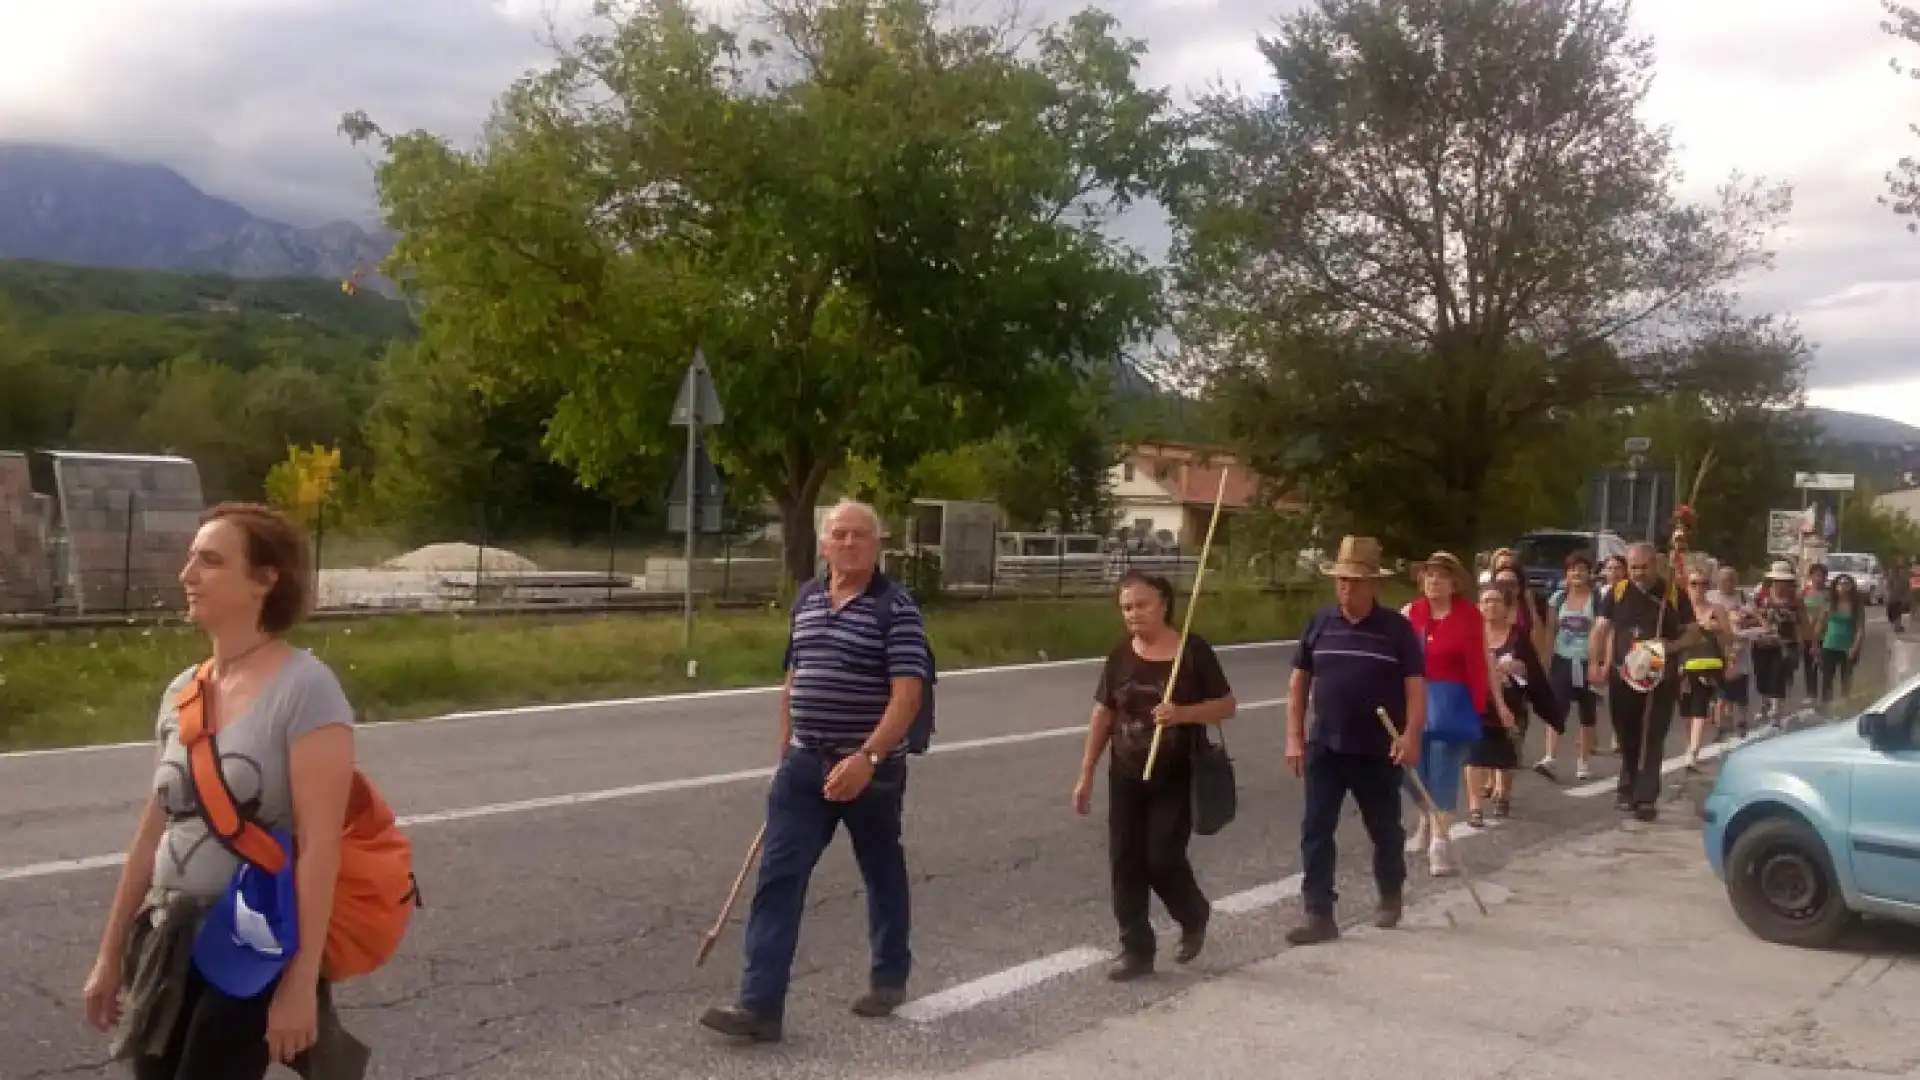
1782	885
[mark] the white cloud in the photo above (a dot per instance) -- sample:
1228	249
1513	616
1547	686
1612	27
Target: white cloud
243	97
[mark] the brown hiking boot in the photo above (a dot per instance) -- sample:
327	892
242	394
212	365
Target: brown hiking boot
732	1020
1315	930
1387	915
879	1001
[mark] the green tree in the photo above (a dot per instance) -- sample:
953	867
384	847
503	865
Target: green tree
1731	426
1448	231
449	460
193	415
108	412
1903	180
884	233
1867	526
36	408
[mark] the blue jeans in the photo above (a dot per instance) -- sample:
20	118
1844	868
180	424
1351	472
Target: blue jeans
800	825
1442	764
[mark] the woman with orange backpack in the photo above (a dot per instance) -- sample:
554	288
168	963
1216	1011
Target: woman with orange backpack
264	867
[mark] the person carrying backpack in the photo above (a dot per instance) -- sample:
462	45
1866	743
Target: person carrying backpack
858	698
222	944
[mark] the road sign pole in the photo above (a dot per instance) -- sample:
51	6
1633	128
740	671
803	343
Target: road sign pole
697	407
693	518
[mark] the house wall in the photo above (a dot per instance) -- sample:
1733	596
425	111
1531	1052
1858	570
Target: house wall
26	575
1902	502
1140	495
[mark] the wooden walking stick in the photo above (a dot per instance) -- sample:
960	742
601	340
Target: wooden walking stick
1427	804
1186	625
733	894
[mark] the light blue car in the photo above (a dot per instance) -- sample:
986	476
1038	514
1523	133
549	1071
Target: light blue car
1811	829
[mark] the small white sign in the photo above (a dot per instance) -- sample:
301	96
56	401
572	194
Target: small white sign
1783	531
1823	481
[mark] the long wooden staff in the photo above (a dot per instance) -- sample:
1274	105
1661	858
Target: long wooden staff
726	910
1186	626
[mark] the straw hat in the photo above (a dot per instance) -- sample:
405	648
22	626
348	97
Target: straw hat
1359	557
1446	560
1781	570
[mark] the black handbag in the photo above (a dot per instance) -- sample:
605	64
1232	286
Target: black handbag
1215	795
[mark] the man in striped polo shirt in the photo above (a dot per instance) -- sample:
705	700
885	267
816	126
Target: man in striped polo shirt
1354	658
857	663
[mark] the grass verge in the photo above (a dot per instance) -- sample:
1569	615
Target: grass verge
82	687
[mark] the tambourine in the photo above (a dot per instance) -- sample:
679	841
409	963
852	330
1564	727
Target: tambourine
1645	666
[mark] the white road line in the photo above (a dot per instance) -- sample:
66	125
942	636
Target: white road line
1260	896
1000	984
584	798
635	702
1005	983
1675	764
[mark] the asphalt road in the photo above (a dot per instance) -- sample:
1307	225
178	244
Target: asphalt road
572	858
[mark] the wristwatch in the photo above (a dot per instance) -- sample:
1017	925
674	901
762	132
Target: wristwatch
873	758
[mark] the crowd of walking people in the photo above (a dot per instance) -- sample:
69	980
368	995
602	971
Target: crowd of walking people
258	824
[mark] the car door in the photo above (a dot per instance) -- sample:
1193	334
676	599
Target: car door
1885	826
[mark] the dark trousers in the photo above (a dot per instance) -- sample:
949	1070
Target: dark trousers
1810	664
1640	760
1835	663
800	824
1374	783
1148	828
225	1038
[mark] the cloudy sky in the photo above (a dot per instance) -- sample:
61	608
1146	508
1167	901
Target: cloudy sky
243	97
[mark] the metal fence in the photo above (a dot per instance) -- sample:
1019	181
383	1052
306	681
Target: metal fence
633	564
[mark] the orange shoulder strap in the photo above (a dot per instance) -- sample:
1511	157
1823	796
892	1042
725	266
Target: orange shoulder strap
237	834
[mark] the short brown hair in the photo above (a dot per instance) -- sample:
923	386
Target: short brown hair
274	543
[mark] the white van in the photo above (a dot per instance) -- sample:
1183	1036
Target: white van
1865	571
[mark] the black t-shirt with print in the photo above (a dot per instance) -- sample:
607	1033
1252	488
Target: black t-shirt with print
1132	687
1636	616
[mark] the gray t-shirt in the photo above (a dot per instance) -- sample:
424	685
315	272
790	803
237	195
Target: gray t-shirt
302	697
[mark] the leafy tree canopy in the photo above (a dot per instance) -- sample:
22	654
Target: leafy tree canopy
879	224
1446	233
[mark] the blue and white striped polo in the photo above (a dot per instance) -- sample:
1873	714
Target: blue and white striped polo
843	669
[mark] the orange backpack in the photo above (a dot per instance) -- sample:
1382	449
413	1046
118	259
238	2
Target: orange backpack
375	894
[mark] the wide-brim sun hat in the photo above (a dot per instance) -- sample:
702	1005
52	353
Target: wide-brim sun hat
1781	570
1359	557
1446	560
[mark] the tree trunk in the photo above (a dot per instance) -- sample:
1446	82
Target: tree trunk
800	546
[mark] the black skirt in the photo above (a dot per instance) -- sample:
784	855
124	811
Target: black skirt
1499	747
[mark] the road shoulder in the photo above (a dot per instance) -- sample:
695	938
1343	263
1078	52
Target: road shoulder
1612	955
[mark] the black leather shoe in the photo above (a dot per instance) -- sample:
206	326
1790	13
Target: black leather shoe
741	1024
1191	942
1129	966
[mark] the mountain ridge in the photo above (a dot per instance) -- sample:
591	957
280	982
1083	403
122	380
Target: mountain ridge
85	208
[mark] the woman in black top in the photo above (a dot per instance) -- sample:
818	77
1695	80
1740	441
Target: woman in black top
1522	681
1149	822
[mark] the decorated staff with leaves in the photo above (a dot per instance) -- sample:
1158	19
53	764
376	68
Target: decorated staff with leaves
1642	621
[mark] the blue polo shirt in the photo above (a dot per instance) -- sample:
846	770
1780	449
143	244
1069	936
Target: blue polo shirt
843	667
1358	667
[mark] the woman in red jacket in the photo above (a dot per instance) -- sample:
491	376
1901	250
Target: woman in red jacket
1458	677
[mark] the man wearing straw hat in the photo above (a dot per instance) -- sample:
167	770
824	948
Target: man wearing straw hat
1355	657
